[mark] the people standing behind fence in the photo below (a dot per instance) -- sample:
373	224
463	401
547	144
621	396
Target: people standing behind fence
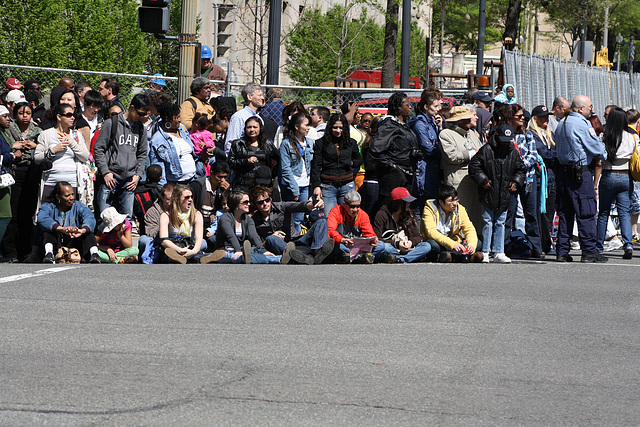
109	88
508	95
273	109
121	155
395	148
396	225
513	115
171	148
250	152
66	222
560	109
577	145
253	98
198	102
428	174
82	87
209	70
336	159
61	153
459	143
546	148
613	181
296	153
24	193
499	171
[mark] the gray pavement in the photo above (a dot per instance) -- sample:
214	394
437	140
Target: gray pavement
426	344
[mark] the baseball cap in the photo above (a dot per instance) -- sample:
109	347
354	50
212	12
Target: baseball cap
541	110
3	110
316	214
505	133
481	96
159	80
16	96
401	193
13	83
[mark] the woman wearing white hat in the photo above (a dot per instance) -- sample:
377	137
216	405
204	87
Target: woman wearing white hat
114	240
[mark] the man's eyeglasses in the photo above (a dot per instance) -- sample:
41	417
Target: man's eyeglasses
142	113
353	206
366	121
263	201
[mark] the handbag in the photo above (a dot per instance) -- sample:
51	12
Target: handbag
395	238
67	255
634	163
6	180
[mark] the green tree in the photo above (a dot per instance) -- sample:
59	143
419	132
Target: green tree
331	45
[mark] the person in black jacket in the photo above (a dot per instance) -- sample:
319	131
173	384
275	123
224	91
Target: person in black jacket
250	152
395	148
336	160
499	171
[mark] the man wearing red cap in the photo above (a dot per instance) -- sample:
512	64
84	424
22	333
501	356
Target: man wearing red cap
13	83
396	225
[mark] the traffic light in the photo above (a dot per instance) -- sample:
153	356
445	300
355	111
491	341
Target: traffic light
224	34
153	16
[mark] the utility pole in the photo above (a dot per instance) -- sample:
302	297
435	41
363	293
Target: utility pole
406	37
482	23
187	42
273	51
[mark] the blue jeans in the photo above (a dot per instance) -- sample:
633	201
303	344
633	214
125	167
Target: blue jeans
493	226
314	238
256	257
616	187
333	195
530	209
418	253
105	197
287	196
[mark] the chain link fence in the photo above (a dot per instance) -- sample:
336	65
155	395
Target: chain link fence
539	80
369	99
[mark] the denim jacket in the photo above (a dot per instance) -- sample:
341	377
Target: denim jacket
163	152
290	166
428	173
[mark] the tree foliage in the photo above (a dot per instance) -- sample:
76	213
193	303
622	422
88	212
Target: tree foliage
330	45
94	35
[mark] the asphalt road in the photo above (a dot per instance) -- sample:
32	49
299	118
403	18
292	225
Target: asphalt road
228	345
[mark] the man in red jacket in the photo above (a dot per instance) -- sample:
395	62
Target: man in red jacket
347	222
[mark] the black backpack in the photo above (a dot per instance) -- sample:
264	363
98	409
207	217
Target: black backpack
144	197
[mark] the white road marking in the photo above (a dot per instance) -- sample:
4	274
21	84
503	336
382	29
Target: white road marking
35	274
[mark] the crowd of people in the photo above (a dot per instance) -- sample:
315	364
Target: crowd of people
97	179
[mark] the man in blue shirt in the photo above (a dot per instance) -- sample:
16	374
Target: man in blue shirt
253	97
577	145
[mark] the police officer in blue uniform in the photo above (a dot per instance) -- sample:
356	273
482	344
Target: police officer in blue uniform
577	145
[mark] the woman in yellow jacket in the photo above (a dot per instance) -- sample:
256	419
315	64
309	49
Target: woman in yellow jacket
447	228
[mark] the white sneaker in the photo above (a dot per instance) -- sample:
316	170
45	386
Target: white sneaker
575	246
613	245
501	258
485	257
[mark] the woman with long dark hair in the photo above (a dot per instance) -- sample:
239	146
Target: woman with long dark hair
513	115
68	96
336	160
613	180
250	152
296	152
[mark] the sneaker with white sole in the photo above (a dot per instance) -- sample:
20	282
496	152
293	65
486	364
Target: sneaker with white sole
485	257
612	245
501	259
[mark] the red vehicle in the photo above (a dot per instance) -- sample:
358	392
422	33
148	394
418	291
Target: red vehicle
374	78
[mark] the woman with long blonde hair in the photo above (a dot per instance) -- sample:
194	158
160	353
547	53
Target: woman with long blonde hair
546	147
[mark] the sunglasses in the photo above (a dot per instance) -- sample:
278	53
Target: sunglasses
67	115
366	121
263	201
519	116
187	197
115	113
245	202
142	113
352	206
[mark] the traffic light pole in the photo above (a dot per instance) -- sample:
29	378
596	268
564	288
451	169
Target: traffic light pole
187	43
273	50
